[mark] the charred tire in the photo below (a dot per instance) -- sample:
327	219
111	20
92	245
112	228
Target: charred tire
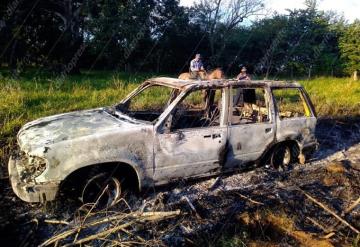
102	189
281	157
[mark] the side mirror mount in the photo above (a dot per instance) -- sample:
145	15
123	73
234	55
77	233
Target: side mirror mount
167	125
165	128
125	106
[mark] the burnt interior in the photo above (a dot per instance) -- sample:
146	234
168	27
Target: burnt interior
149	115
144	115
249	106
186	115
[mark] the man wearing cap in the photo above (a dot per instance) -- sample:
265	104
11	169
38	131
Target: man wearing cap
243	75
196	66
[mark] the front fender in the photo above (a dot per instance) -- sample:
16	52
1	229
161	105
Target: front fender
143	171
64	160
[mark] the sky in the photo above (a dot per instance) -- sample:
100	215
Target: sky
349	8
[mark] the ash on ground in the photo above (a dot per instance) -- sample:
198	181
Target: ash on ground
258	207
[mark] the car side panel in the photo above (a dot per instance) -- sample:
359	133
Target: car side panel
247	142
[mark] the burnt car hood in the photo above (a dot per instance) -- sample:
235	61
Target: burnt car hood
66	127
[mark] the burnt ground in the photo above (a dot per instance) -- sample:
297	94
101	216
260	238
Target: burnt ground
260	207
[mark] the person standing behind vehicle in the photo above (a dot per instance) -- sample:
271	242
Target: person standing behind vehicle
196	66
239	95
243	75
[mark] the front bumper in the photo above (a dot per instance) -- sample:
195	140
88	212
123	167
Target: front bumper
29	192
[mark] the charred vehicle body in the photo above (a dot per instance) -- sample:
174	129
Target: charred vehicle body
167	129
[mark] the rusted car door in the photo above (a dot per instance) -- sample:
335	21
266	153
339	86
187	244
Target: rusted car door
190	152
251	125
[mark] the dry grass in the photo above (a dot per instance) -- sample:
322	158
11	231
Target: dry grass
267	228
335	167
287	225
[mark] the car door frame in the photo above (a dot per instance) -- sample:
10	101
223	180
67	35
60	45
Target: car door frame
300	129
160	130
237	159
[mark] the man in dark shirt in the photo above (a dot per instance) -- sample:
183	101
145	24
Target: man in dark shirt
243	75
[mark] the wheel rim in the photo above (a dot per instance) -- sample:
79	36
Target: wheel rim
102	189
281	158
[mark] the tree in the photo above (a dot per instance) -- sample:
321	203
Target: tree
15	33
69	15
162	36
350	48
42	32
269	44
309	40
175	37
119	30
219	18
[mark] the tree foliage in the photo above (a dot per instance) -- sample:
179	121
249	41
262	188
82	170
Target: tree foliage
350	47
162	36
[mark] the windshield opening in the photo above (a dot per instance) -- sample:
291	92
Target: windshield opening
149	103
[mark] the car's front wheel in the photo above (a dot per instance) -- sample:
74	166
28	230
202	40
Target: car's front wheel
102	189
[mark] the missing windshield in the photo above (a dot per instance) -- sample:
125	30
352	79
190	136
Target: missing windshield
149	103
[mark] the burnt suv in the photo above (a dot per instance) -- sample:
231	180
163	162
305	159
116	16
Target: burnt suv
166	129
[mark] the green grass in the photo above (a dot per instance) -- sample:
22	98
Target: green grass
31	97
335	97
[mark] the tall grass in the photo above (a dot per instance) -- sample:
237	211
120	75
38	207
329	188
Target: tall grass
31	97
336	97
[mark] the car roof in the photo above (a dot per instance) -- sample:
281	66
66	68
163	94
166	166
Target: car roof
207	84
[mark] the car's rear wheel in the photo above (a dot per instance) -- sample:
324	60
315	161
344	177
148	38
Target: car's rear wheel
281	158
102	189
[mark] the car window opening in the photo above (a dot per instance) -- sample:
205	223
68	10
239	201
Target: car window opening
200	108
249	106
291	103
149	103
